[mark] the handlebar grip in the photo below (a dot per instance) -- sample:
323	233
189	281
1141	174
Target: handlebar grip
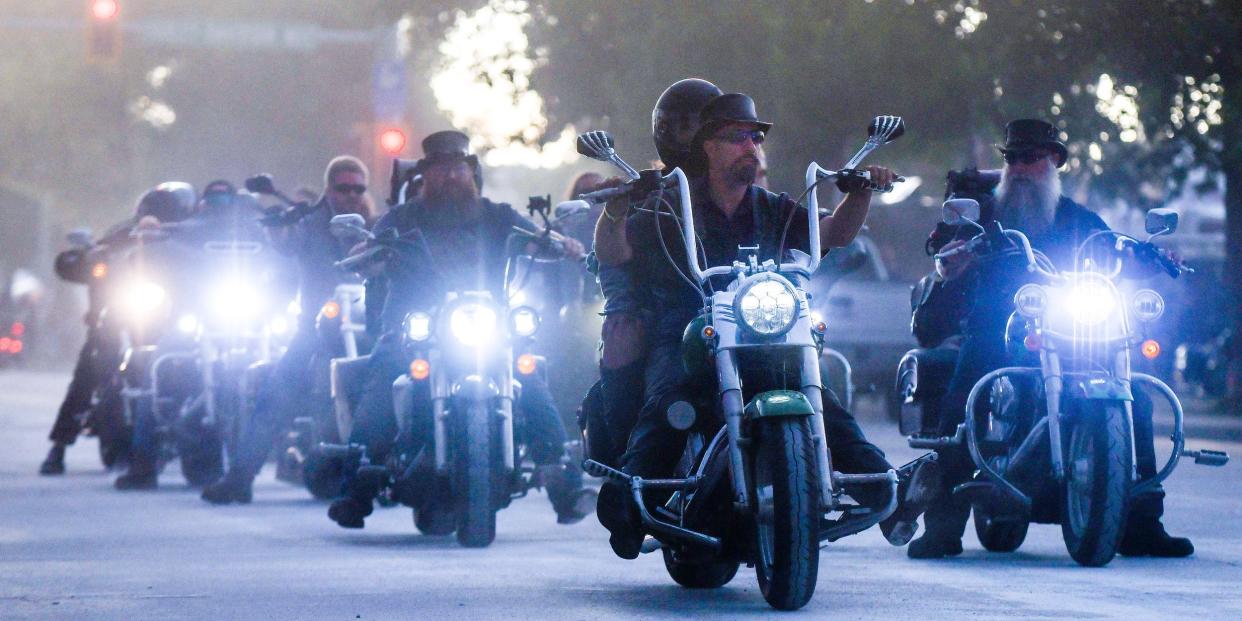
606	194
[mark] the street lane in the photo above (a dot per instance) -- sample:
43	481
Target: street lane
73	548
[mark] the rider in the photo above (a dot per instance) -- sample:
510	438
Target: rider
732	212
312	245
1027	199
466	236
167	202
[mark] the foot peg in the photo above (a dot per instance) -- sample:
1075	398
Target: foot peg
341	451
1205	457
598	470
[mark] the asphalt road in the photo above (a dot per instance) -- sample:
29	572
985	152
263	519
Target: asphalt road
73	548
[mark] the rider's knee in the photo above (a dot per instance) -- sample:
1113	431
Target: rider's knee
624	340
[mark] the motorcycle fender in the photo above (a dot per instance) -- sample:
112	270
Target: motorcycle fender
1102	387
403	403
776	403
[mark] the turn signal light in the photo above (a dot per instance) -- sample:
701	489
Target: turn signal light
100	270
709	332
526	364
1150	349
420	369
331	310
1033	342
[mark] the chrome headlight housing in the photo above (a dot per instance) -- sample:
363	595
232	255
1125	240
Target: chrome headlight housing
524	321
1031	301
418	326
767	306
1147	305
473	324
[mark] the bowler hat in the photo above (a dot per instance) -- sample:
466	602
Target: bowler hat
1027	134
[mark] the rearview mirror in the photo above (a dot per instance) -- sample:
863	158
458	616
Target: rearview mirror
348	226
261	184
597	145
1161	221
885	128
959	211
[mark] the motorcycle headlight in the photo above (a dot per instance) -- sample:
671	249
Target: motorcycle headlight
768	307
143	297
472	324
279	326
1090	303
236	300
418	326
1147	305
187	324
1031	301
525	321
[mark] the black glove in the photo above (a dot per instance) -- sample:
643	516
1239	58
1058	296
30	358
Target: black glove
852	181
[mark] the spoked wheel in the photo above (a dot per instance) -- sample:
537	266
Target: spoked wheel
786	496
476	513
1097	483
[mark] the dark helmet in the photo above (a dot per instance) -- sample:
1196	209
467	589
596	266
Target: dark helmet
447	146
675	119
170	201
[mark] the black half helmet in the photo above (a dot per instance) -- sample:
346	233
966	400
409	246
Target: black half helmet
675	119
171	201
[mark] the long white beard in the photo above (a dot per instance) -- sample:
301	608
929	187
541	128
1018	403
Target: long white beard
1027	204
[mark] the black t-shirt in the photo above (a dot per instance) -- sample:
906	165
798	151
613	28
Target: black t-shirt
761	219
463	254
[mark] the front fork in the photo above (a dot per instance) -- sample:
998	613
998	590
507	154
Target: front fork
731	403
442	391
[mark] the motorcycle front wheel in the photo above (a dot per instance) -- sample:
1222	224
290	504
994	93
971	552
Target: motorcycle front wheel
786	497
1098	462
476	514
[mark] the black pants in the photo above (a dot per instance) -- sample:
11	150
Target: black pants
97	359
279	400
979	356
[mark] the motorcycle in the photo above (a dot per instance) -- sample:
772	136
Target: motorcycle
755	484
192	378
467	358
1053	435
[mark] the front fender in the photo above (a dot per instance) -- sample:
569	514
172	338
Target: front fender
1100	387
476	388
777	403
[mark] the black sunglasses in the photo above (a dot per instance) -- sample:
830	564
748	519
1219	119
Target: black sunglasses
1025	157
738	136
349	188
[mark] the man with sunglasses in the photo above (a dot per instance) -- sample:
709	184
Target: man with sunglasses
730	211
466	237
313	247
1028	198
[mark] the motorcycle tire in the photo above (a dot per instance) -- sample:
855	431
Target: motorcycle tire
476	513
999	535
434	521
699	575
201	462
786	499
1099	460
324	476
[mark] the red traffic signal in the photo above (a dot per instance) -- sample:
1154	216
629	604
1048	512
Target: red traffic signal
392	141
103	33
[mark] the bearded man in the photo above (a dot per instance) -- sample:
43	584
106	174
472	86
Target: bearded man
1028	198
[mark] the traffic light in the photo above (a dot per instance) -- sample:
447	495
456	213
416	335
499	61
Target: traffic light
391	141
103	33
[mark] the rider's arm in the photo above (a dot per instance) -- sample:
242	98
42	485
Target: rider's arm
612	244
840	228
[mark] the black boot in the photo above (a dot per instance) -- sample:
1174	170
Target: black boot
54	463
617	513
349	512
919	483
1145	535
945	521
139	477
233	487
569	499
